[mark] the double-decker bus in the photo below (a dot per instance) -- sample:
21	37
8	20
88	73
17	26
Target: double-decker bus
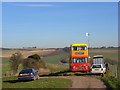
79	58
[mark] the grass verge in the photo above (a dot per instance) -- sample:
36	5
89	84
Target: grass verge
57	67
111	82
12	82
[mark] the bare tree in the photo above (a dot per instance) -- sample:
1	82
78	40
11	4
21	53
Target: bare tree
15	61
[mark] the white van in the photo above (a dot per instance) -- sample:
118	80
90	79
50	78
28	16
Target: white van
98	59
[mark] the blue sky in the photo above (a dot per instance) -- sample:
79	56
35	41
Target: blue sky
59	24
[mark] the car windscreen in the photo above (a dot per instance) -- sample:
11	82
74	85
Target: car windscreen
26	71
96	66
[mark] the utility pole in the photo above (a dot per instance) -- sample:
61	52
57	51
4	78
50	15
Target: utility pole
88	41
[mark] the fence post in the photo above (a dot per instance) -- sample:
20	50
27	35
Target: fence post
118	67
116	75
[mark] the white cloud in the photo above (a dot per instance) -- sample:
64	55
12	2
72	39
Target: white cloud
35	5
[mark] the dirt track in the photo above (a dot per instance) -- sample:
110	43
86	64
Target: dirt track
86	82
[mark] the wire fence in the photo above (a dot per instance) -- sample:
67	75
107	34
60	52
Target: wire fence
113	70
118	70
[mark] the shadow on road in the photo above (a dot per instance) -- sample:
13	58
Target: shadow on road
61	73
15	81
66	73
11	81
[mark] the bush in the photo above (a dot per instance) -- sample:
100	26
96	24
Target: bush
35	56
66	49
33	61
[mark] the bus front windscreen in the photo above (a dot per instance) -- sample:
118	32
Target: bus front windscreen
76	48
79	60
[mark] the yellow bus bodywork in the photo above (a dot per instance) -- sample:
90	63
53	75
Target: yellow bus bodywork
79	53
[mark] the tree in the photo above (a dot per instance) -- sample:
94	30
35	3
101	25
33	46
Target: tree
15	61
66	49
103	47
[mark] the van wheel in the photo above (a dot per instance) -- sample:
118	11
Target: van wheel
102	74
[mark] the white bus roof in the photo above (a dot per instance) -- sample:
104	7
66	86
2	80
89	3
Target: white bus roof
98	56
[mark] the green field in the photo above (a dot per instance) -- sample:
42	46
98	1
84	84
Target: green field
107	56
12	82
6	69
54	64
56	58
5	65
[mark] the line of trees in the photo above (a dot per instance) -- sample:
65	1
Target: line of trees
102	47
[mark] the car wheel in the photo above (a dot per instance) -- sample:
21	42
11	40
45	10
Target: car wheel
19	80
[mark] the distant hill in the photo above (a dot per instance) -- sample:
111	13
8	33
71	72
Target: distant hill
5	49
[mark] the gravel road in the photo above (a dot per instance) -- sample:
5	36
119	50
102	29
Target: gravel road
86	82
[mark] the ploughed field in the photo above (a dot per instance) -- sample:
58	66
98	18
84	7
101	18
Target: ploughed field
27	52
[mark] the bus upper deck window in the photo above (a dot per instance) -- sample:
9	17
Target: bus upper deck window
81	48
77	48
74	48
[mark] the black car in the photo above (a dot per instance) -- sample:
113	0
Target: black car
28	74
